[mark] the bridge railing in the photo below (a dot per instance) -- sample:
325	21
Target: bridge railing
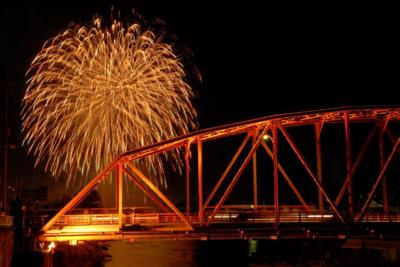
127	219
226	216
87	219
380	217
244	217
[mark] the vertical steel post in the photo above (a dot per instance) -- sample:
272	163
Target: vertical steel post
382	163
116	188
378	180
255	191
357	163
119	179
237	175
318	128
348	164
276	181
310	172
286	177
187	168
200	178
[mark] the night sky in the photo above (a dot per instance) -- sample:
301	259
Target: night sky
255	59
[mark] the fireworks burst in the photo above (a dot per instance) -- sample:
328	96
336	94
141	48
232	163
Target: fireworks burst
94	93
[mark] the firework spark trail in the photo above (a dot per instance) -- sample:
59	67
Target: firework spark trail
94	93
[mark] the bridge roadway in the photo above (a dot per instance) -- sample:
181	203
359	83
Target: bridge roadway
228	225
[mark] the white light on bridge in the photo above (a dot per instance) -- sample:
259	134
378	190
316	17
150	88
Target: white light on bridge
324	216
226	216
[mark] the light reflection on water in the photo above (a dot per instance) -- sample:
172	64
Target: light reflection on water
196	253
253	245
192	253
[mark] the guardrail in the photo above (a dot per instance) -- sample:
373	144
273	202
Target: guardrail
225	216
374	217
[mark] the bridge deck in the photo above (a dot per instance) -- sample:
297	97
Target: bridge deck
234	225
378	231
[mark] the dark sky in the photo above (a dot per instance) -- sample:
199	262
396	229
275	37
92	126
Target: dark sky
255	58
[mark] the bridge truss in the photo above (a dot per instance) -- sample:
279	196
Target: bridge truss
367	136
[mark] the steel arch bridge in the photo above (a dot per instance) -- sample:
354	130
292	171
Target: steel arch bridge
364	139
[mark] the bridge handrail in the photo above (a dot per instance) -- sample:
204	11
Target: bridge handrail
256	216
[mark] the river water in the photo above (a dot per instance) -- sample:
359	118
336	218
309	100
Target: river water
197	253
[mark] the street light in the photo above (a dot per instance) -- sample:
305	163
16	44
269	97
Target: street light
267	137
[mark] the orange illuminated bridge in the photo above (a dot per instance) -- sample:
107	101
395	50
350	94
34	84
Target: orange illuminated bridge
310	174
